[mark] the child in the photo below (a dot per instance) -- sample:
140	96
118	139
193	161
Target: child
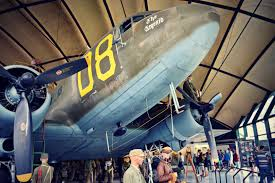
251	164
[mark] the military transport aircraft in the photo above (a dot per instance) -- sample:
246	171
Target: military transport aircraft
93	113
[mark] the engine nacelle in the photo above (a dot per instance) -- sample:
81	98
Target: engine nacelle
39	100
6	145
184	127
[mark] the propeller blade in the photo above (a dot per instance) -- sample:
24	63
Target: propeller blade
5	74
215	99
61	72
208	130
22	137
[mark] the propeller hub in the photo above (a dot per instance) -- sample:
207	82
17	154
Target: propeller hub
27	80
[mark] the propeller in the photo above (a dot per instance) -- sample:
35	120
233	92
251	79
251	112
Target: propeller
23	140
5	74
24	85
204	108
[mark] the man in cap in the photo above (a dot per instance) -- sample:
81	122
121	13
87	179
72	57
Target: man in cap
126	163
133	173
43	173
164	169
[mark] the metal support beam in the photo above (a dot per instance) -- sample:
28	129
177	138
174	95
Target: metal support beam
223	40
189	1
123	8
146	5
19	44
109	13
107	141
25	6
266	19
235	76
248	70
236	41
43	28
76	22
58	59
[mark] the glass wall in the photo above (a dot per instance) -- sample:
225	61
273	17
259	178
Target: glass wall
259	126
256	125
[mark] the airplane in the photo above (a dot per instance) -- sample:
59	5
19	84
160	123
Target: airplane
100	97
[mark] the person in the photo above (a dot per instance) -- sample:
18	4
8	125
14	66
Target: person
231	164
126	163
207	161
227	158
43	173
181	166
251	164
175	162
133	173
109	169
236	159
155	163
191	90
189	161
220	154
201	160
89	171
164	169
263	161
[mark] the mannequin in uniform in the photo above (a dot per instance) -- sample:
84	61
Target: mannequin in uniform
43	173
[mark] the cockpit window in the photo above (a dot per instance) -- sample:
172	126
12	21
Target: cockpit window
136	18
126	25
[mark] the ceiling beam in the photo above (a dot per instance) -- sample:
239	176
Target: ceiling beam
58	59
236	41
189	1
76	22
20	6
124	12
222	42
230	8
235	76
221	123
238	123
44	29
109	13
247	71
146	5
19	44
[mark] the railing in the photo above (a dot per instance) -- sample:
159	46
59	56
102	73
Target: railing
235	174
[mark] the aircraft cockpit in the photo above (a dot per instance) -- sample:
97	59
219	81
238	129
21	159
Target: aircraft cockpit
127	24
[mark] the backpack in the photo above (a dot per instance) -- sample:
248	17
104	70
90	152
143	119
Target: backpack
39	175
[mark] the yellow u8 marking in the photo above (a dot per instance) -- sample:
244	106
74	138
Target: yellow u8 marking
87	89
107	53
98	58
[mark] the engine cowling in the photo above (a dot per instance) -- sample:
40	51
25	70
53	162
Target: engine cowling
39	100
6	145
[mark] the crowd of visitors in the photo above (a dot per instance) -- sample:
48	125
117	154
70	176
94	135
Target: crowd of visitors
159	166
